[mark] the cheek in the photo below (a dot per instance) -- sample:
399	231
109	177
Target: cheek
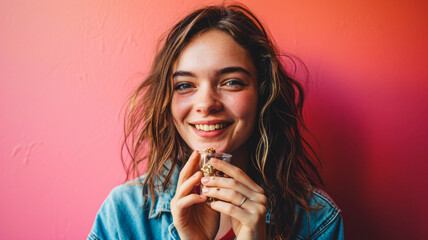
245	106
180	106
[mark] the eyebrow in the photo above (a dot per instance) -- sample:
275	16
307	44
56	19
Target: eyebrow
220	72
183	73
233	70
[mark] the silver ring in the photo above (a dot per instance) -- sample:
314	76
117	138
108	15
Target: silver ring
243	200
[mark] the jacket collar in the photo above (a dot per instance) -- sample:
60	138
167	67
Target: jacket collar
163	199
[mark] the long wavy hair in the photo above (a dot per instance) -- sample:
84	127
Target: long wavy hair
282	160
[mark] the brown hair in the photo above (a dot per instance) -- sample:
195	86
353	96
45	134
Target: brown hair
282	159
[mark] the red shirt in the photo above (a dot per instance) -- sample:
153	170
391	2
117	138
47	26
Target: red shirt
230	235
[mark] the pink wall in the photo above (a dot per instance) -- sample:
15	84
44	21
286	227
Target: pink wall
66	68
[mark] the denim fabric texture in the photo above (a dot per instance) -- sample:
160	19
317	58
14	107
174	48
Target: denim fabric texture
125	215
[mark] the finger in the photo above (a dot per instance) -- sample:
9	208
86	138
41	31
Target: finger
233	184
189	168
223	194
190	200
231	210
236	173
237	199
230	183
187	186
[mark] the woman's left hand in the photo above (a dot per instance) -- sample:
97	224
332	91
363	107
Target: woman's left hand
240	198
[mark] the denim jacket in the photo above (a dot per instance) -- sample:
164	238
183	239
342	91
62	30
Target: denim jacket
125	215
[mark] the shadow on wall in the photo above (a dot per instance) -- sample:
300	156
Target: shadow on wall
339	126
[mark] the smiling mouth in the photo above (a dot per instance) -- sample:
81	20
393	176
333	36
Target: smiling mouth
210	127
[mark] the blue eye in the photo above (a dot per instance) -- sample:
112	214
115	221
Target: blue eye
182	86
234	83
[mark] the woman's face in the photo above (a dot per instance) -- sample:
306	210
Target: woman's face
214	102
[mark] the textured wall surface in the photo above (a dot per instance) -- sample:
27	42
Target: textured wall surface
66	68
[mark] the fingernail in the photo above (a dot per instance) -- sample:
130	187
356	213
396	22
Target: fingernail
205	190
204	180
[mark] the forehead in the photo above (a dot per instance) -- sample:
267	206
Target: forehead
213	49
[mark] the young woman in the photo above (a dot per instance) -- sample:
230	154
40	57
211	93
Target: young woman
218	82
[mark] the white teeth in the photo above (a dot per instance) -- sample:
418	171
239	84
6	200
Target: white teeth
212	127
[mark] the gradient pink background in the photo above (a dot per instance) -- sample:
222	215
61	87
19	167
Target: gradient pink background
66	68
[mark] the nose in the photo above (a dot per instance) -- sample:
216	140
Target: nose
208	101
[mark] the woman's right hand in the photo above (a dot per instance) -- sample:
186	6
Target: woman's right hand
192	218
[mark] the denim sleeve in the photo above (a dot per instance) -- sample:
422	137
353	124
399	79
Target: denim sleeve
326	222
334	231
105	225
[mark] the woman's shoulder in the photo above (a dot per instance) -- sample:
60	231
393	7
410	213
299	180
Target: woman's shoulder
126	211
321	199
124	199
137	193
322	221
128	189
